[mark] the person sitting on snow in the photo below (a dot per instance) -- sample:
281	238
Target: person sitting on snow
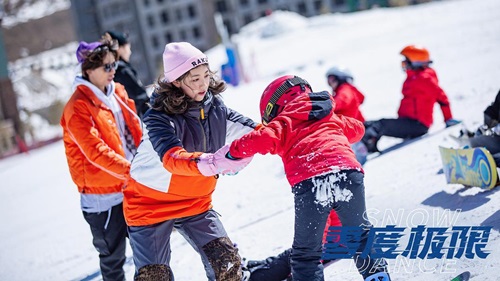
420	91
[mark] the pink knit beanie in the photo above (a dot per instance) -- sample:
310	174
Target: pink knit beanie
179	58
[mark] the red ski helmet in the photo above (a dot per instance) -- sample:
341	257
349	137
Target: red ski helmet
278	93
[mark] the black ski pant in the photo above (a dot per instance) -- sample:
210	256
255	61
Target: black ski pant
491	143
109	232
314	198
399	128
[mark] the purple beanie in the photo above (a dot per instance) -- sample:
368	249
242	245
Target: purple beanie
84	49
179	58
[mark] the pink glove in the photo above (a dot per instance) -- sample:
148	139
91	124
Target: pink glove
211	164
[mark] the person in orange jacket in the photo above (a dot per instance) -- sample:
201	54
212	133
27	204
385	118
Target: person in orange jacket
348	99
421	91
174	173
101	132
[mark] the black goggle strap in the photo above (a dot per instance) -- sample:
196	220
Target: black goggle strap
271	107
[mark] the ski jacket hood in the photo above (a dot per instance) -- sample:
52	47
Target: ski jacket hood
310	106
308	136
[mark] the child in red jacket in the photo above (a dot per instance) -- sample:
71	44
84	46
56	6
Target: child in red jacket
348	99
421	91
314	143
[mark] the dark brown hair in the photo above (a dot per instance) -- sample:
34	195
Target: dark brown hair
95	58
172	100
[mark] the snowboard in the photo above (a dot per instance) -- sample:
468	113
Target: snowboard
464	276
469	166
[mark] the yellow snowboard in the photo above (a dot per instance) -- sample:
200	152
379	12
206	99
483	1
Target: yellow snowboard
469	166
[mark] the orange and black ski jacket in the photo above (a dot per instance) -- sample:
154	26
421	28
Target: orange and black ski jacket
94	149
165	181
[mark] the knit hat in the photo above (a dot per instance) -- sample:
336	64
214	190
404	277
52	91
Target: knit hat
179	58
84	49
122	38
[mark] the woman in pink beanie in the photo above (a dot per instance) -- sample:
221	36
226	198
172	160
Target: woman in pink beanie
175	170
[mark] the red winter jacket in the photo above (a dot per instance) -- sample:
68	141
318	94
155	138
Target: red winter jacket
347	101
308	136
420	92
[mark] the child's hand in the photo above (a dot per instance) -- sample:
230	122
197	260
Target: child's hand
221	162
227	164
230	157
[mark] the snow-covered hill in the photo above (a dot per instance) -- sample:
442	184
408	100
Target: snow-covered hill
44	236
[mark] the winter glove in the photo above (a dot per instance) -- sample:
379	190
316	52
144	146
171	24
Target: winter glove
219	162
452	122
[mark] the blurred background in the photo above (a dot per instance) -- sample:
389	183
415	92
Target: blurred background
38	39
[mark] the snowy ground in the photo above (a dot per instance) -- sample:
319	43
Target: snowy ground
44	236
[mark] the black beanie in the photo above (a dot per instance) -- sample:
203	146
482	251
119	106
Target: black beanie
122	38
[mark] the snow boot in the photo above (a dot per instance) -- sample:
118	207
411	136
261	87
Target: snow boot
370	139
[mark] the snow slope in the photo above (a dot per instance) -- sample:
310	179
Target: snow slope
44	236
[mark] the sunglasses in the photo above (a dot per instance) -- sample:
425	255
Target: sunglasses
110	66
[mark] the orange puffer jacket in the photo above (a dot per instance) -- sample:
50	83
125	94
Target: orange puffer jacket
94	150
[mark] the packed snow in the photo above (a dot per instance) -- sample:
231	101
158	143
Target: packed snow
44	235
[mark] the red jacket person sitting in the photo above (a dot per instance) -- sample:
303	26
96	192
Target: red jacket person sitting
420	91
